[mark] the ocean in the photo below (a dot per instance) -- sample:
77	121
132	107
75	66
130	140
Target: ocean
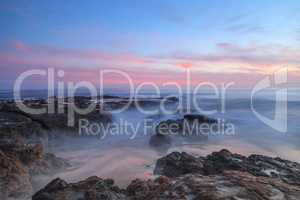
124	158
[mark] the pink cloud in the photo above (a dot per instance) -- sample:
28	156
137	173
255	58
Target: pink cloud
235	58
185	65
48	55
241	64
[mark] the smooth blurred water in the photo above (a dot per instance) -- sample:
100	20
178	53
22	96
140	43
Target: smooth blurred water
124	159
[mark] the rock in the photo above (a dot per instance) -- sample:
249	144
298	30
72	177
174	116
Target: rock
176	164
20	163
256	165
49	164
92	188
228	185
223	160
188	177
14	122
139	189
116	103
285	170
199	118
14	178
14	125
27	154
225	186
54	122
172	98
56	184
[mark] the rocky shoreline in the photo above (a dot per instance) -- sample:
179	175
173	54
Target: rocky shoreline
15	123
19	165
219	176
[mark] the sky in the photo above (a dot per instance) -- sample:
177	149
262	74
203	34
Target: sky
151	40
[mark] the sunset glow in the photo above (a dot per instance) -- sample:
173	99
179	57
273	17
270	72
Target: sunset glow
151	39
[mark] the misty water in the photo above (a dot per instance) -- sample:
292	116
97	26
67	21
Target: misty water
124	158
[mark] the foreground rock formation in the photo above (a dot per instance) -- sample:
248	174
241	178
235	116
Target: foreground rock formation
176	164
219	176
91	188
20	163
15	123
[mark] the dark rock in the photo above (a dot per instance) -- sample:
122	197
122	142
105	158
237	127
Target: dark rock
14	125
139	189
199	118
226	186
56	184
14	178
27	154
189	178
93	188
172	98
20	163
285	170
223	160
176	164
48	164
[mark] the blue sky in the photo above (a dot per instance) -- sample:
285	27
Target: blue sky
166	32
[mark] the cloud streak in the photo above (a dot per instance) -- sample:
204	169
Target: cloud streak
23	54
243	59
228	61
243	24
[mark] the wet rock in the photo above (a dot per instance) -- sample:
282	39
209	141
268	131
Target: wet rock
140	189
33	157
279	168
115	103
256	165
27	154
224	160
176	164
48	164
199	118
56	184
228	185
14	125
93	188
20	163
188	178
59	122
14	178
172	98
